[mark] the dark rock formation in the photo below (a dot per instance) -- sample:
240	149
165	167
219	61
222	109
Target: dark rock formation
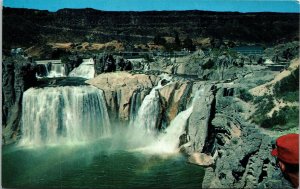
110	63
71	62
283	52
123	65
244	162
32	26
224	66
18	74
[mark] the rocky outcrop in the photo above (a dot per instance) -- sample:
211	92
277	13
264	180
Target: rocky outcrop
119	87
221	66
283	52
109	63
199	128
243	157
105	63
18	74
214	65
244	162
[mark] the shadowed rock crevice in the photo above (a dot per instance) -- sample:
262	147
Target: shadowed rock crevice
209	146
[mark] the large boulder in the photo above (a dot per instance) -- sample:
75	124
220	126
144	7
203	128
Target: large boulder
105	63
189	65
110	63
123	64
119	87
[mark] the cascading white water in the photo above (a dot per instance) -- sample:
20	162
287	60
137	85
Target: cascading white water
85	69
168	142
57	70
149	111
135	103
59	115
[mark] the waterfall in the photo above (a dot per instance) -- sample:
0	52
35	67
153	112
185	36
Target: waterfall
168	142
50	68
58	115
135	103
57	70
149	111
85	69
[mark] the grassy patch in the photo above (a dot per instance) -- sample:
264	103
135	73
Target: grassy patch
285	118
264	105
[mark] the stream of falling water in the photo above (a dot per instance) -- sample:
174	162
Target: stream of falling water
149	111
54	115
85	69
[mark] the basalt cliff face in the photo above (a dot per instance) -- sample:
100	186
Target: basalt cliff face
33	27
18	75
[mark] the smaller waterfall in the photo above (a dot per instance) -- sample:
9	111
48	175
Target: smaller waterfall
135	103
57	70
50	68
149	111
86	69
168	142
57	115
146	67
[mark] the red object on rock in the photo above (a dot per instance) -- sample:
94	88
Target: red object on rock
287	148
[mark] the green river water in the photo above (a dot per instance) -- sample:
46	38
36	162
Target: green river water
95	165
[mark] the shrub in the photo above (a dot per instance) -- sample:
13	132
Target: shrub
290	96
208	64
265	104
288	84
245	95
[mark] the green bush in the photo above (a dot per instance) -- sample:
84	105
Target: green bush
288	84
290	96
245	95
